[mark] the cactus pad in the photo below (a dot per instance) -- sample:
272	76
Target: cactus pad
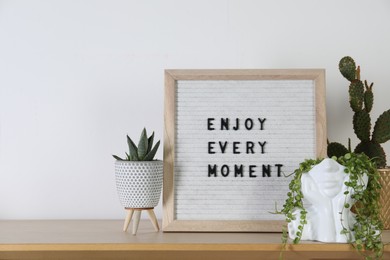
336	149
373	150
356	95
381	132
362	125
368	96
347	68
368	100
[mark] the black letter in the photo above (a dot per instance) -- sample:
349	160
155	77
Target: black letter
225	123
238	170
262	144
250	125
249	147
266	171
251	170
213	170
225	173
235	148
237	123
223	146
261	123
279	166
211	147
210	124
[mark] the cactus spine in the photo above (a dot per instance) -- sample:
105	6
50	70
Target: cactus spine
361	99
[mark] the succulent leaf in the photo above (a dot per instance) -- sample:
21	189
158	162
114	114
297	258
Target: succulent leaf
356	95
128	157
336	149
347	68
144	151
150	142
362	125
143	145
152	153
381	132
374	151
117	158
132	149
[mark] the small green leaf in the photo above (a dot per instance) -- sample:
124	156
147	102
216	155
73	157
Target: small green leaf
128	157
132	149
117	158
143	145
150	142
152	153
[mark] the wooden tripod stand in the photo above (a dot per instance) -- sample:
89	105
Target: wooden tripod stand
137	215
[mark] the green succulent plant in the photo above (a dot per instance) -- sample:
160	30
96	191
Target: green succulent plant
361	99
144	151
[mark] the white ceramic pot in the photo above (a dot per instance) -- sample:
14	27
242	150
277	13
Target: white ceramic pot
139	183
324	190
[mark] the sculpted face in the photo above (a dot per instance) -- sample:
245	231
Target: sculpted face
329	177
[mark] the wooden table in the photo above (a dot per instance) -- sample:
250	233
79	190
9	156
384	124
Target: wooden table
104	239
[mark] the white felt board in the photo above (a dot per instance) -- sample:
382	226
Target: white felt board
288	107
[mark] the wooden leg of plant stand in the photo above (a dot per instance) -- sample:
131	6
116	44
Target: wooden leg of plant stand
137	216
153	219
128	219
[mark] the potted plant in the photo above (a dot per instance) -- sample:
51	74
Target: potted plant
361	99
358	185
139	180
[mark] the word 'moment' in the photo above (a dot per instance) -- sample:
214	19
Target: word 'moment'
238	170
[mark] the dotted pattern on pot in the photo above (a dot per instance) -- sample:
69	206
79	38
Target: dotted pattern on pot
139	183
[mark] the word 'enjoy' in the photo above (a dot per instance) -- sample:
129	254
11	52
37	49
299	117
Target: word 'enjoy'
225	124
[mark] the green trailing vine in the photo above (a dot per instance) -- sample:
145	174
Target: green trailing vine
368	226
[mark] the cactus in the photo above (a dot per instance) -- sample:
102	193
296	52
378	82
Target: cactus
347	68
361	99
337	149
144	151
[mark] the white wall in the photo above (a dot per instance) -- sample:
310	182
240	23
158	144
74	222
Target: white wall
77	76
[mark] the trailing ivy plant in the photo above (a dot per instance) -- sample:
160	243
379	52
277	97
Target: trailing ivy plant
368	227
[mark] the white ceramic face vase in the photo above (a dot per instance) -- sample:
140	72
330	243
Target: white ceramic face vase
323	190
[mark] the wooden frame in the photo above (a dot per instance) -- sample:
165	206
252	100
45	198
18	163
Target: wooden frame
170	223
